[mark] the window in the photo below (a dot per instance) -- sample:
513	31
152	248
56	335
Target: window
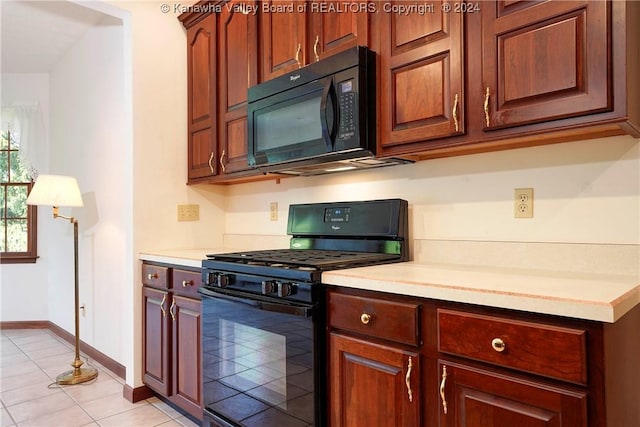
18	240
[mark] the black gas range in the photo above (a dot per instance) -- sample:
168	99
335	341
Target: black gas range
263	313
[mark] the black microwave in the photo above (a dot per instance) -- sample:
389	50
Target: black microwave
317	119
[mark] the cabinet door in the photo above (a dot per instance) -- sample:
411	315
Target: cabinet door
421	74
283	31
238	56
337	26
156	331
201	83
471	397
544	60
372	385
187	366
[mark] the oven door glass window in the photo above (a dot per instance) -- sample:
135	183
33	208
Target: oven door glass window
258	365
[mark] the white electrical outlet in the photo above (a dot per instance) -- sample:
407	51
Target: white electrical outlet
523	203
273	211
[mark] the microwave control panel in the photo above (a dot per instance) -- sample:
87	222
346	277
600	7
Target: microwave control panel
347	106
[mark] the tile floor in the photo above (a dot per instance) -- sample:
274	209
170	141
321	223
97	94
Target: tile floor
30	360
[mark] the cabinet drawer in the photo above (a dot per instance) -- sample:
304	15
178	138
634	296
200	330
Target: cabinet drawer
389	320
186	282
155	276
539	348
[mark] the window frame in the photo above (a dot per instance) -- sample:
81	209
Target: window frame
31	254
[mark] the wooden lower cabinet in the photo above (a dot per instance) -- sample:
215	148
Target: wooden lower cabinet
373	384
186	389
472	397
156	346
473	366
171	329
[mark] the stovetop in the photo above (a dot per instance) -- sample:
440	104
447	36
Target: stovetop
311	259
324	236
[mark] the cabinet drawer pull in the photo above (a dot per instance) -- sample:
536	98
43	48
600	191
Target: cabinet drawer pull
455	113
498	345
222	161
164	299
172	310
210	164
315	48
152	276
487	95
407	379
186	283
442	385
365	318
298	50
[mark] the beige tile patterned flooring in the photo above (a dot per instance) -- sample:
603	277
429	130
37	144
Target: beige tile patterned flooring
30	360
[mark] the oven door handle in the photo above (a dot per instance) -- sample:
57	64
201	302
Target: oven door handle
284	308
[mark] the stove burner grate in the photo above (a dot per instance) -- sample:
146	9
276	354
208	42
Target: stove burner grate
308	259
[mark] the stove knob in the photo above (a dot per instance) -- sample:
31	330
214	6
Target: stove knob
223	280
211	279
286	289
269	287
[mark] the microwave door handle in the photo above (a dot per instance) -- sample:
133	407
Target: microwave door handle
329	115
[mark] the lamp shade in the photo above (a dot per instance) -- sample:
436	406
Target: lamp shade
55	190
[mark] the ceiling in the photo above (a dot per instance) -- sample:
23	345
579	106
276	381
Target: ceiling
36	34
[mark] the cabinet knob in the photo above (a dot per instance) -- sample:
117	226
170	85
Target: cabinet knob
498	345
152	276
186	283
365	318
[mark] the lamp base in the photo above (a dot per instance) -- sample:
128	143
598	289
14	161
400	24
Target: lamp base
77	376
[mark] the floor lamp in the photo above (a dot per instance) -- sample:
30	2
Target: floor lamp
56	191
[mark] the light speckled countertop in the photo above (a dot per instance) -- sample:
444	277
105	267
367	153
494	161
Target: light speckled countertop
185	257
603	298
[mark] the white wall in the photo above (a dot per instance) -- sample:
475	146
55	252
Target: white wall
159	88
91	140
23	291
585	192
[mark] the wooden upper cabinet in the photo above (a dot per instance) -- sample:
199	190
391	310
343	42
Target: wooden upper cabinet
202	94
421	89
337	26
544	60
283	37
295	34
238	65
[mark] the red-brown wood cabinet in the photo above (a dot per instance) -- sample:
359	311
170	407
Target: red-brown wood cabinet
453	77
422	362
525	73
171	331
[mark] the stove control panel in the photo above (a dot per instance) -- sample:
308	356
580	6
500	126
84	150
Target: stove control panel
270	287
275	287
